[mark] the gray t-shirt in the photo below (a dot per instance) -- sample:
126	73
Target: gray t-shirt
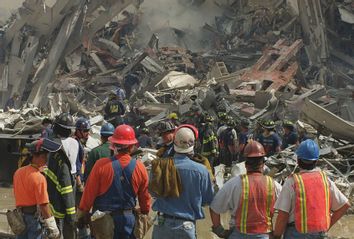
228	198
286	200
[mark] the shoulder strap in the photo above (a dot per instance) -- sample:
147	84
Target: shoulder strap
128	171
116	165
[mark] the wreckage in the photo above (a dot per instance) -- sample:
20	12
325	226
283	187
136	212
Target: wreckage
267	59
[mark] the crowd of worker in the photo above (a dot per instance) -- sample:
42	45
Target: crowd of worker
63	185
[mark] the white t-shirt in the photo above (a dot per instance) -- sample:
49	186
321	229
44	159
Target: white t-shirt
228	198
71	148
286	200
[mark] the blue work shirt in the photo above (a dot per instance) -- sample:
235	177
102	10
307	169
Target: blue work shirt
289	139
197	191
270	143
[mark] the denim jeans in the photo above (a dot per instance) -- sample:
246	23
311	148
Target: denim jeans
292	233
33	228
124	226
237	235
174	229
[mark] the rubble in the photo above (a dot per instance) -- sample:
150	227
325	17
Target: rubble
268	59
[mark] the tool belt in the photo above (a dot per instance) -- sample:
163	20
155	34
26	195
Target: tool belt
16	221
29	209
164	215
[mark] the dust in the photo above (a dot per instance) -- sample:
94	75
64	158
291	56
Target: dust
165	16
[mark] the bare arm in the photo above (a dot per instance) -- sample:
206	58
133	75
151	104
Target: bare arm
339	213
45	210
280	224
215	218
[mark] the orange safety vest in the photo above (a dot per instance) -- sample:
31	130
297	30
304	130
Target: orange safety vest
255	211
312	202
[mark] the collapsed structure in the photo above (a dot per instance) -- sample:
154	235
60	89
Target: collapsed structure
268	59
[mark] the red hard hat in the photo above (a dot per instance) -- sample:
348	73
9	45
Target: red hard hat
192	127
254	150
123	135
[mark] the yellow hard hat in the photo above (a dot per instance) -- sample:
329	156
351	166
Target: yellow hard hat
173	116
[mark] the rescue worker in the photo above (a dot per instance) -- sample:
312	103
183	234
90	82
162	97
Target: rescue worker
11	102
173	117
290	136
250	199
208	139
227	137
269	139
82	133
177	216
60	180
102	151
47	131
166	130
145	141
243	137
115	183
309	203
114	110
30	189
120	92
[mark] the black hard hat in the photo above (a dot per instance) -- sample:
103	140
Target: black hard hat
65	120
245	123
166	126
268	124
42	145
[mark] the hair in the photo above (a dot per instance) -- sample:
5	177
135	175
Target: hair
47	121
253	164
306	164
58	130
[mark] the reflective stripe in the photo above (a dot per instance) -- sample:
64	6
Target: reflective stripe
303	212
55	213
270	189
70	211
245	194
66	190
326	187
211	138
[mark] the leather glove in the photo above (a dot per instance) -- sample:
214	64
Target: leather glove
51	228
83	219
221	232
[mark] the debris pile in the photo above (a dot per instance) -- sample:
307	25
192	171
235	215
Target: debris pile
269	59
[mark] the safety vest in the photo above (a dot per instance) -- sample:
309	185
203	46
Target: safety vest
255	211
312	202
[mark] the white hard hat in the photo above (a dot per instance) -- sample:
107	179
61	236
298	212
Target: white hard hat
184	140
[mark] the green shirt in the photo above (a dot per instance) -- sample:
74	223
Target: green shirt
102	151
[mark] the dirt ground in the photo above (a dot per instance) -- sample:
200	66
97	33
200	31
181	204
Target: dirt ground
343	229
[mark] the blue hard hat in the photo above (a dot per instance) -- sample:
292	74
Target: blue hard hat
107	129
83	124
308	150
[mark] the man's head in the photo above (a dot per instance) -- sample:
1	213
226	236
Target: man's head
46	122
63	124
16	96
39	150
123	139
245	124
107	131
288	126
185	138
307	154
82	127
254	154
166	130
268	125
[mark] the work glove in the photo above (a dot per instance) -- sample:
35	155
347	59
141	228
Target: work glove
221	232
83	219
51	229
